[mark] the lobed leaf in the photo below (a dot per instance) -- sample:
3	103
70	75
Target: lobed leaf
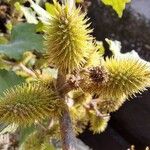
23	38
117	5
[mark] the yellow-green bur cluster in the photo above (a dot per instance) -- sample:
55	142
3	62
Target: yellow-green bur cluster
78	113
67	38
27	103
126	77
98	124
79	118
80	97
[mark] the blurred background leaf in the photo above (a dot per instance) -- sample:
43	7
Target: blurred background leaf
23	38
117	5
9	79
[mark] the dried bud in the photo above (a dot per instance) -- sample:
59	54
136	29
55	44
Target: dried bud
98	75
93	78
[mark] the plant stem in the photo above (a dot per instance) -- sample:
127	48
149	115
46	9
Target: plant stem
30	72
66	130
68	137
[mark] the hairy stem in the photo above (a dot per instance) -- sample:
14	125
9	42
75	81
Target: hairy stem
67	134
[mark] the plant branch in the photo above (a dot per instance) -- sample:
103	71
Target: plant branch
66	130
27	70
73	82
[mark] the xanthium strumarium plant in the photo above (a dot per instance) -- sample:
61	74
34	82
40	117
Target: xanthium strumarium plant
87	89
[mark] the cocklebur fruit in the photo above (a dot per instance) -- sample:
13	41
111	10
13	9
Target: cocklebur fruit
30	102
93	78
126	77
67	38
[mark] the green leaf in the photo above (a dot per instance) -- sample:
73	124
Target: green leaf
3	40
117	5
8	79
23	38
